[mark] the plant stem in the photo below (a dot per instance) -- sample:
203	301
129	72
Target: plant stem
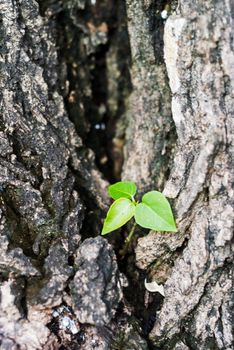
128	240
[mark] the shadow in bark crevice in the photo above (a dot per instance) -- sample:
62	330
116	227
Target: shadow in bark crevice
93	48
96	83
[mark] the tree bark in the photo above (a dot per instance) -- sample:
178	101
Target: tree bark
50	185
150	135
195	264
65	115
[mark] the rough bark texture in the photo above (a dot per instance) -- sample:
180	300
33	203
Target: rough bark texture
44	171
64	108
196	263
149	135
41	211
97	267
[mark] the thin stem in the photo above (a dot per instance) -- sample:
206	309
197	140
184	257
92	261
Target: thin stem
128	240
133	200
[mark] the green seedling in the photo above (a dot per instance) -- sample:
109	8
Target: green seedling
153	212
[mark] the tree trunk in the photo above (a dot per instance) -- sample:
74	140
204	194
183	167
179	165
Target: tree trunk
66	111
196	263
55	293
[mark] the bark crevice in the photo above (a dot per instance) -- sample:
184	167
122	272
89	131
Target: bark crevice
68	109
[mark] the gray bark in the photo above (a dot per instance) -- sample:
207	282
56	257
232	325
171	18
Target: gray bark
41	211
150	133
56	291
47	176
195	264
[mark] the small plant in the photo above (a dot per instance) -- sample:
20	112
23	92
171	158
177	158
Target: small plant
153	212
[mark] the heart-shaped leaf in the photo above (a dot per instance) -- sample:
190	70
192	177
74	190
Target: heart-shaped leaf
155	213
120	212
122	189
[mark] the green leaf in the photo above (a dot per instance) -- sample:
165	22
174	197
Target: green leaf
119	213
122	189
155	213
